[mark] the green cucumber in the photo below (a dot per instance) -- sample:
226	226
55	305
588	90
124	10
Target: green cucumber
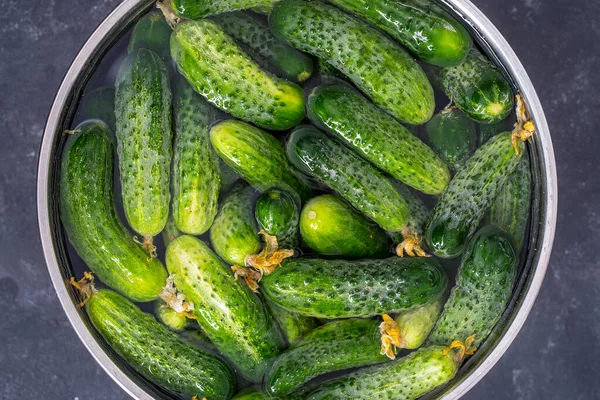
470	194
235	319
253	394
277	214
98	104
144	134
331	228
234	234
483	288
195	179
151	32
421	26
169	317
266	49
257	156
293	325
353	178
415	325
351	118
228	176
344	289
227	77
90	219
170	232
382	70
416	220
157	353
197	9
487	131
452	135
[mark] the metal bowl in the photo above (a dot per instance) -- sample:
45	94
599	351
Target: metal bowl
534	262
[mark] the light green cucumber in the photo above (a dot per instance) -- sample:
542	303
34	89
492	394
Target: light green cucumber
151	32
98	104
169	317
197	9
415	325
277	214
294	326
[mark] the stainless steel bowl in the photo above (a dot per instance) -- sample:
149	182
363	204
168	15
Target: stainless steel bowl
532	270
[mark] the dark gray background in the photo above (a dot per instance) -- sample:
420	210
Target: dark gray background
556	356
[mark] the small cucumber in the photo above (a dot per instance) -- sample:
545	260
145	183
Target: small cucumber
90	219
170	232
169	317
277	214
228	176
197	9
144	134
344	289
332	228
470	194
353	178
234	233
265	48
98	104
157	353
253	394
415	325
235	319
351	118
487	131
227	77
382	70
151	32
294	326
483	287
421	26
257	156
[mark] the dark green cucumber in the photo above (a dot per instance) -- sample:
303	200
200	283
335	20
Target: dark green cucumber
453	136
169	317
354	120
227	77
253	394
257	156
195	180
151	32
470	194
487	131
277	214
265	48
382	70
98	104
157	353
421	26
235	319
293	325
483	287
197	9
353	178
170	232
228	176
477	87
405	379
234	234
330	227
144	134
90	219
344	289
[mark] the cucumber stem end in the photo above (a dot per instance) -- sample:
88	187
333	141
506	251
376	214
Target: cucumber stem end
172	18
391	340
525	128
176	300
463	348
85	287
411	245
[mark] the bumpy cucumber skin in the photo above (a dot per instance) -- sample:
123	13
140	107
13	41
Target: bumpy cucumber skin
415	325
235	319
256	395
277	214
234	233
157	353
293	325
144	135
332	347
407	378
264	47
386	73
99	104
353	178
197	9
453	136
483	287
90	220
476	87
487	131
227	77
257	156
354	120
151	32
195	179
169	317
470	194
344	289
332	228
422	27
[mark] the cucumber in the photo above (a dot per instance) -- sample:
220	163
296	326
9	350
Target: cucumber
351	118
415	222
253	394
228	176
415	325
98	104
453	136
264	47
170	232
336	346
422	27
227	77
144	135
354	179
157	353
151	32
470	194
382	70
197	9
293	325
257	156
483	288
195	180
345	289
476	87
235	319
89	217
234	234
277	214
332	228
169	317
487	131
